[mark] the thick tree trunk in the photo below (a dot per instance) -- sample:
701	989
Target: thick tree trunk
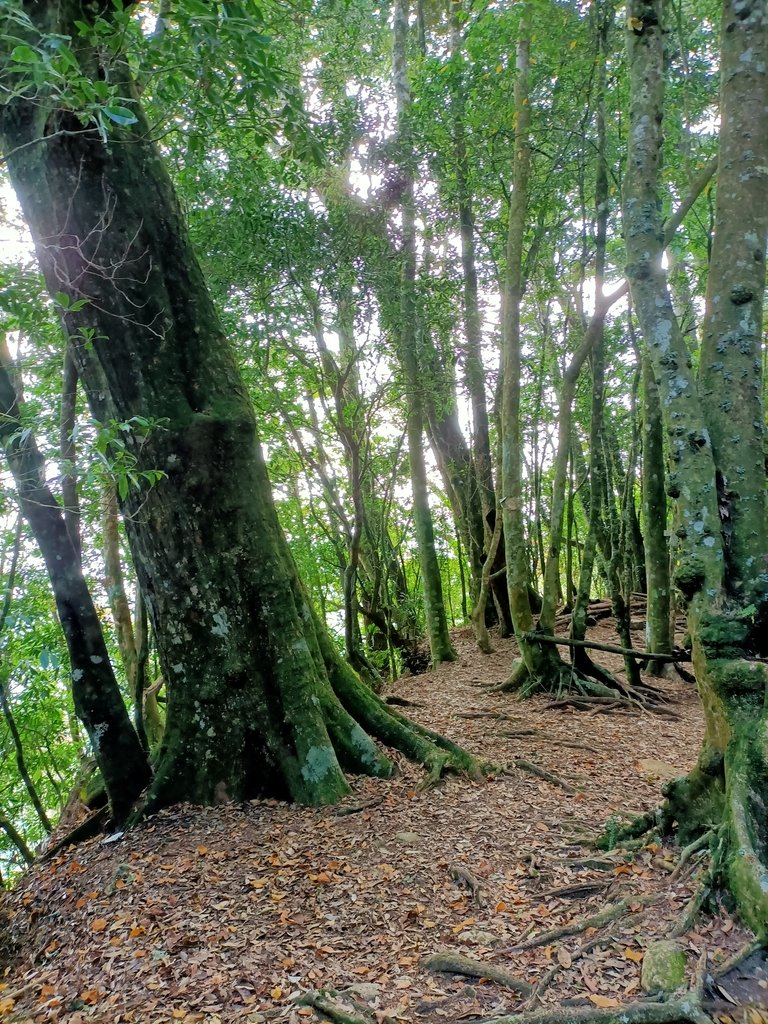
259	701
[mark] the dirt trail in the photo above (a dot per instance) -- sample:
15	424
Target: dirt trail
230	913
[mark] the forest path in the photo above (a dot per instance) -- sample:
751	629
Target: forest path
231	913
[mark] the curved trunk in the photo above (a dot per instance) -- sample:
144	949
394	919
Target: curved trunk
251	676
97	699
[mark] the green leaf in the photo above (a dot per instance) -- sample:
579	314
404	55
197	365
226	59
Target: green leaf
25	55
120	115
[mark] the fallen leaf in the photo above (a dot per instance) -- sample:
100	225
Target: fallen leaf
564	958
99	924
604	1002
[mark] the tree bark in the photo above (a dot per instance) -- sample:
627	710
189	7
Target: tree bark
434	609
259	700
729	783
97	699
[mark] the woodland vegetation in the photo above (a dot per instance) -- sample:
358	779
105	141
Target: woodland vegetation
351	323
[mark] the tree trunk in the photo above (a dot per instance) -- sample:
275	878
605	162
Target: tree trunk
96	696
259	700
540	664
657	629
729	784
434	609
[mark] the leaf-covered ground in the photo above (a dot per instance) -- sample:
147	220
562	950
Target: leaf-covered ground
233	913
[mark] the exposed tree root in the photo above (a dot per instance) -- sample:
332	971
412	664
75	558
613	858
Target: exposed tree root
739	957
455	963
462	874
680	1011
694	906
698	844
333	1009
86	829
603	917
541	773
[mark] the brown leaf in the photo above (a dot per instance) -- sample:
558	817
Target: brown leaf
604	1002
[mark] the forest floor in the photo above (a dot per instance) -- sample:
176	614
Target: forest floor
232	913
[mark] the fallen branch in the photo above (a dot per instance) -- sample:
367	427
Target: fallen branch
402	702
593	645
344	810
604	917
487	714
580	890
541	773
455	963
514	734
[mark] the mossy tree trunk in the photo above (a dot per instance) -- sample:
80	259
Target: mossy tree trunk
658	634
259	700
718	478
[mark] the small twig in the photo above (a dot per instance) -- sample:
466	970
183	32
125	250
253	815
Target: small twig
340	812
455	963
605	916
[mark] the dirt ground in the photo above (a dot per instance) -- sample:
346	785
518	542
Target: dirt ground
233	913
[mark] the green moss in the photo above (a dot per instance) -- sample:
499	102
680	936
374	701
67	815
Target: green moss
724	636
696	801
689	577
663	967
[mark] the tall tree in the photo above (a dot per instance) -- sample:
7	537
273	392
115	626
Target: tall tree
259	700
437	624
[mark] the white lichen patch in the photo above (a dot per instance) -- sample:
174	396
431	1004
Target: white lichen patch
221	623
361	741
318	762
